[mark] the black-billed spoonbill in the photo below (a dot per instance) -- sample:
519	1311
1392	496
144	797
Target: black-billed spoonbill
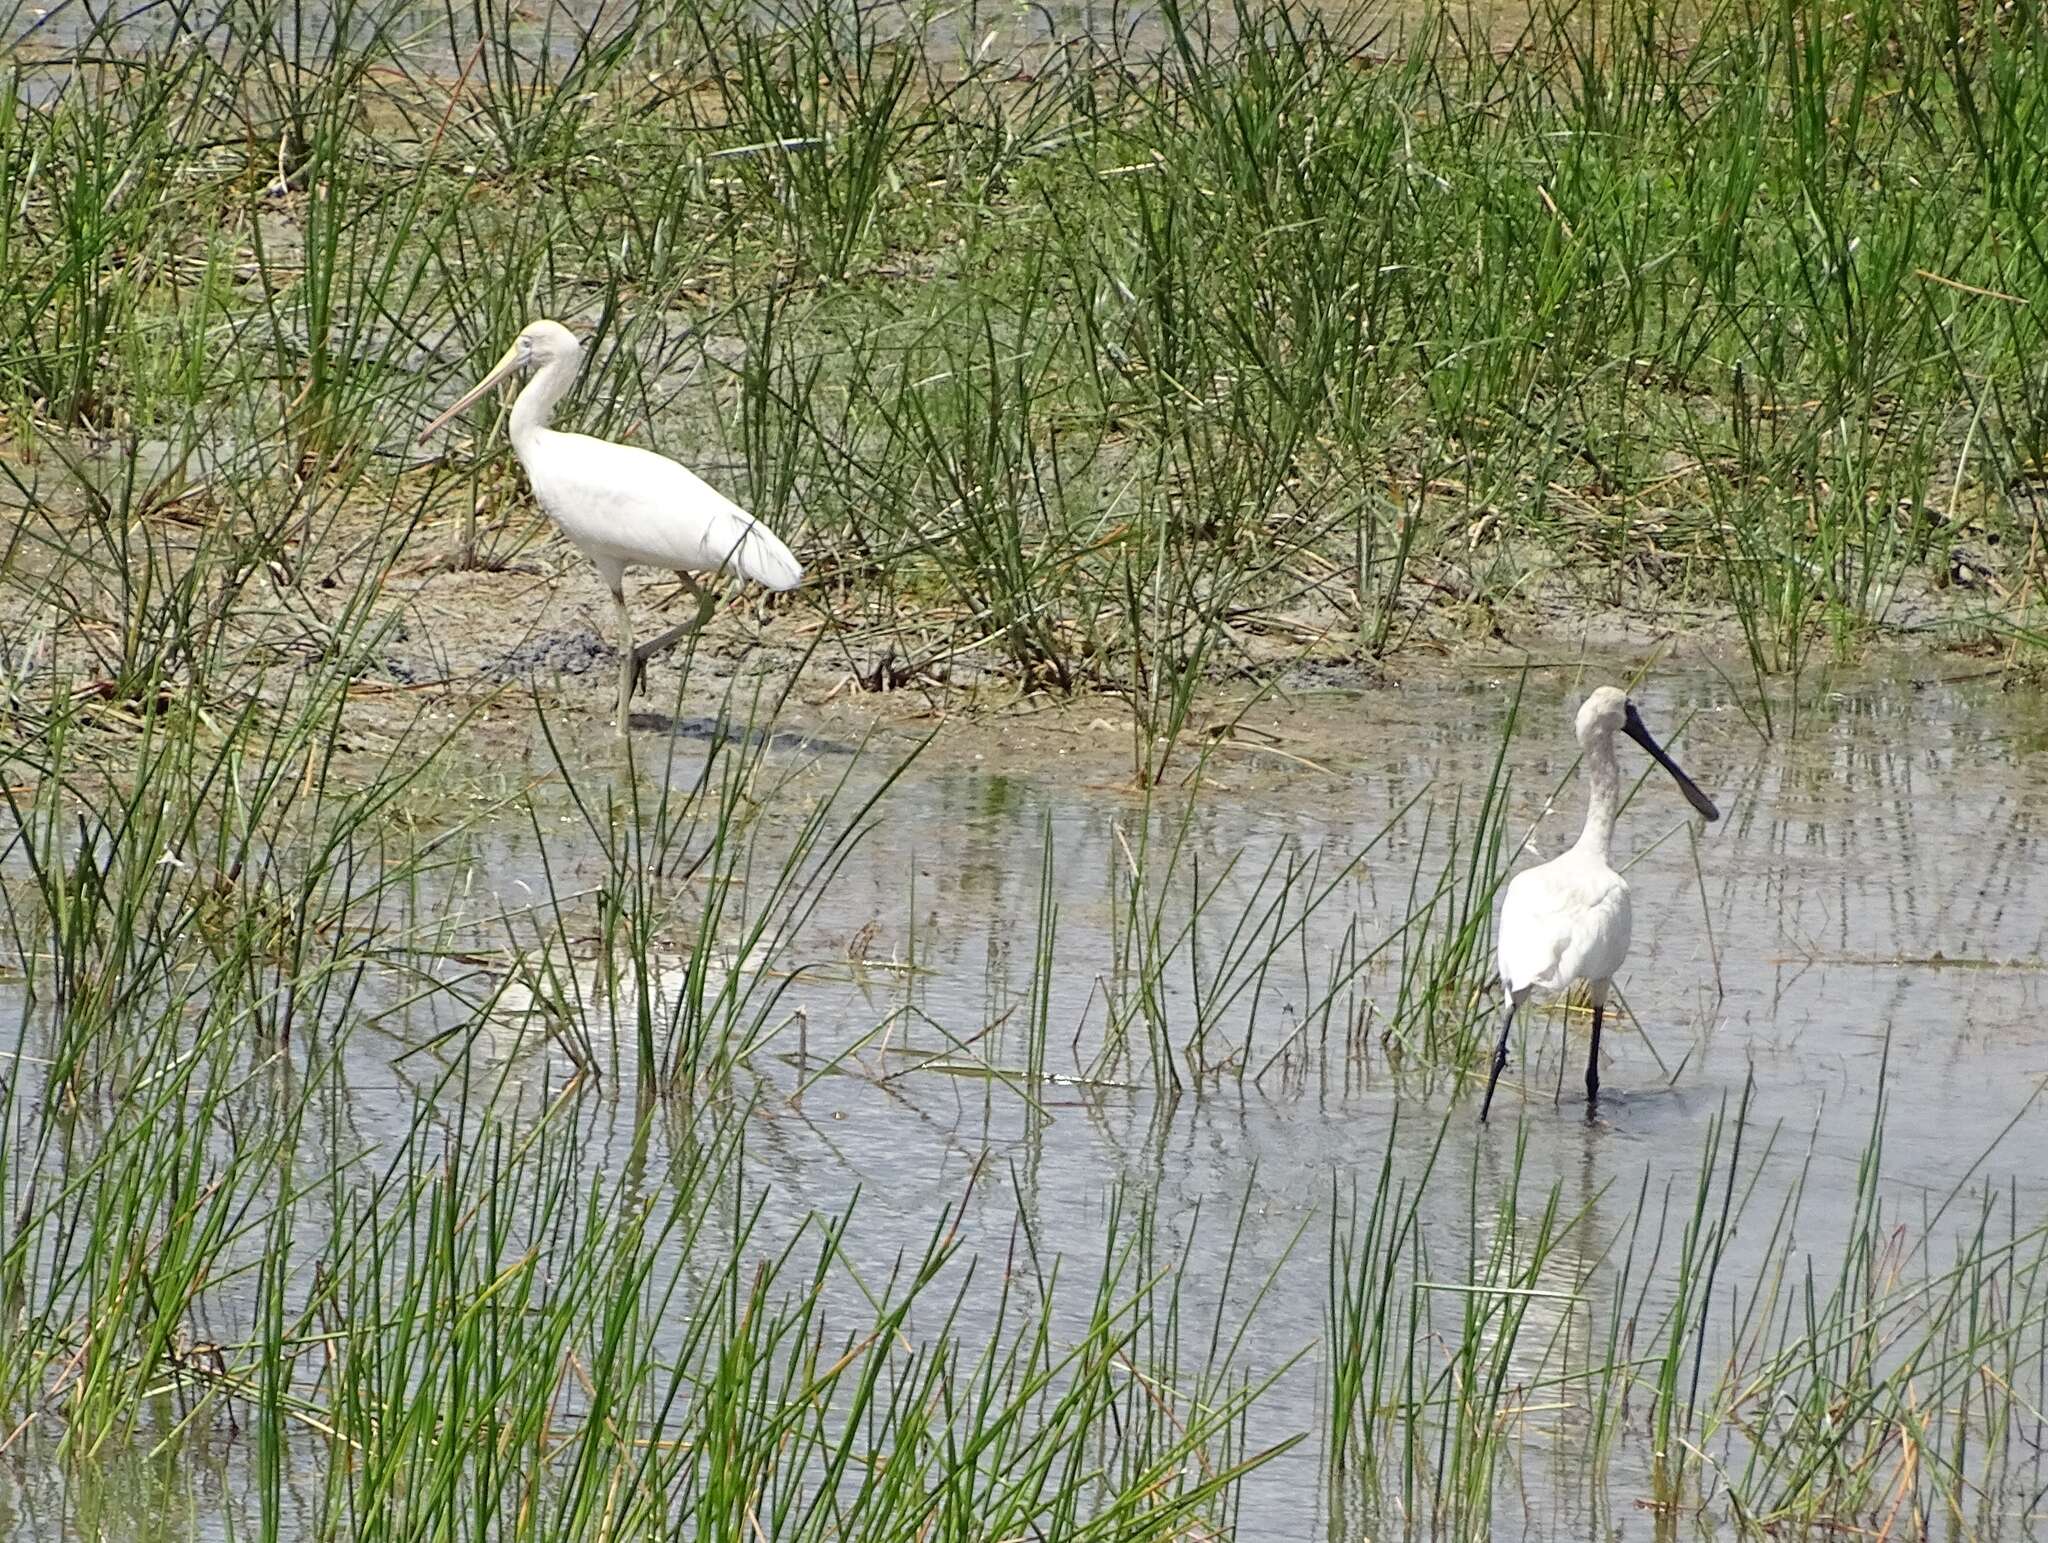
1567	920
620	504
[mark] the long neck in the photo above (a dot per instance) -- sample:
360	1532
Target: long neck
1603	782
536	403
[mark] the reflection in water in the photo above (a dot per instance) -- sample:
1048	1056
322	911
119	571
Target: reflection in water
1879	883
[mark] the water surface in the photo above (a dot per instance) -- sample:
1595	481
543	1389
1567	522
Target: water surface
1876	889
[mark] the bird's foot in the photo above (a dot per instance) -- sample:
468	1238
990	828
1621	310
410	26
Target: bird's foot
641	655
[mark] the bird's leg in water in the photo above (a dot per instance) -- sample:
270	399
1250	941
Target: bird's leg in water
706	601
1599	994
628	660
1500	1054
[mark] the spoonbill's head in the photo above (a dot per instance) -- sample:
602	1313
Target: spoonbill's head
1608	710
539	344
1603	713
543	342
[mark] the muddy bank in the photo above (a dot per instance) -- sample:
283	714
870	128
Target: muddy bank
536	633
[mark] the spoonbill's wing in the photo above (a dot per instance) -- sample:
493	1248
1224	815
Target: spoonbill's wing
1560	923
633	506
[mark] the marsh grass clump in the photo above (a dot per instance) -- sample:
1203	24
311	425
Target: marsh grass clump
1121	362
1777	1383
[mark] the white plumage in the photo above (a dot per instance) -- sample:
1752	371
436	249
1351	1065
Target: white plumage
1565	921
1568	920
622	505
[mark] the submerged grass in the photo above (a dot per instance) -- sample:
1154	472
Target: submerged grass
459	1323
1770	1384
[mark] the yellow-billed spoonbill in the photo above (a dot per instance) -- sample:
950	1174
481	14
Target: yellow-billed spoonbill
620	504
1567	920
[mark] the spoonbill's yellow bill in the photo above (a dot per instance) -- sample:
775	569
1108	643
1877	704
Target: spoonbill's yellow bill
1567	920
620	504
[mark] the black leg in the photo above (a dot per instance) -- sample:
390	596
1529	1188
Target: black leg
706	603
1593	1055
1500	1057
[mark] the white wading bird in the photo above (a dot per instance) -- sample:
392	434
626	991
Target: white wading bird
620	504
1568	920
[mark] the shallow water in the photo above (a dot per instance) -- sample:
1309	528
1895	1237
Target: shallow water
1876	886
439	41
